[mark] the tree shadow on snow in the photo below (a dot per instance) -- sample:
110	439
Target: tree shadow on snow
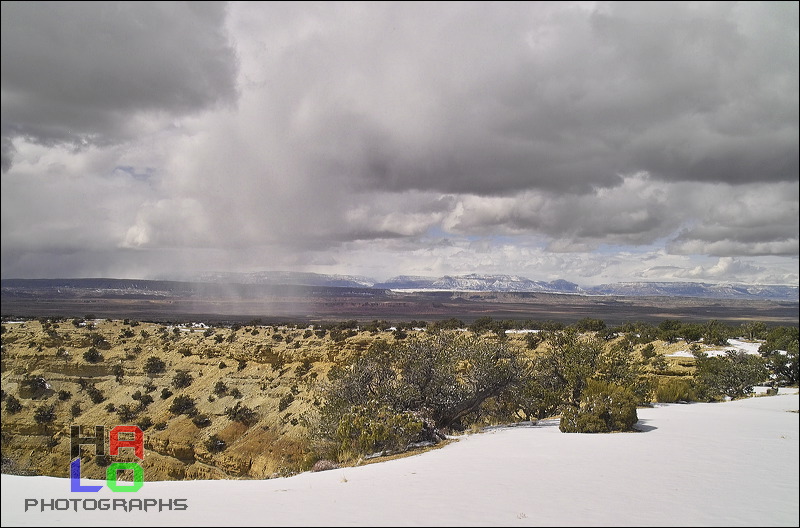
642	427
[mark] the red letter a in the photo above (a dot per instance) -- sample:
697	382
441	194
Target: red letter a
137	443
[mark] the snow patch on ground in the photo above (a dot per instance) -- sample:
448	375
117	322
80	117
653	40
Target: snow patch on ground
701	464
735	344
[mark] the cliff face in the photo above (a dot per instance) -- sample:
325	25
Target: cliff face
270	371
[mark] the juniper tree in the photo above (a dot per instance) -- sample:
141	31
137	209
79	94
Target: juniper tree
563	368
434	381
781	351
733	374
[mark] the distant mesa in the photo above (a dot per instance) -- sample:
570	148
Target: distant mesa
458	283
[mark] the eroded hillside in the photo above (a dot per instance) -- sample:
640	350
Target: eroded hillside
268	370
224	402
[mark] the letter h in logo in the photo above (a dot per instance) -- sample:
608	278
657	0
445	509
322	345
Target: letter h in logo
76	441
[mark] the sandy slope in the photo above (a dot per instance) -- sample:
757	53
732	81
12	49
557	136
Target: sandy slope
723	464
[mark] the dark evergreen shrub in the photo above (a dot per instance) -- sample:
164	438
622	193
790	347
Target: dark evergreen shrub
182	379
241	413
13	406
648	351
126	413
215	444
183	404
95	394
93	355
201	420
34	387
220	388
604	407
45	414
154	365
285	401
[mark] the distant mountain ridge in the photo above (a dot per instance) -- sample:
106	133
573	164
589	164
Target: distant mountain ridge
698	289
461	283
511	283
476	282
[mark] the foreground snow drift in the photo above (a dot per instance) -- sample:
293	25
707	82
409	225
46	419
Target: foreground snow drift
720	464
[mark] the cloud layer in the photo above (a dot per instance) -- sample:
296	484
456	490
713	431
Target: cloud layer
592	142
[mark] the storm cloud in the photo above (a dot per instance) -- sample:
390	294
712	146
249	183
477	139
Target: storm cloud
587	141
82	73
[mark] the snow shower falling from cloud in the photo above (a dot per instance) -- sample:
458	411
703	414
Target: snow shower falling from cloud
593	142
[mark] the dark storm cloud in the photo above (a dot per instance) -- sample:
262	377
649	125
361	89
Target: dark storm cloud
85	72
497	98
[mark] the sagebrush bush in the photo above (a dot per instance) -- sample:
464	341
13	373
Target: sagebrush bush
604	407
674	390
371	428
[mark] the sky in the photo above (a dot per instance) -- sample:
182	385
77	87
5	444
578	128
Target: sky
702	464
588	141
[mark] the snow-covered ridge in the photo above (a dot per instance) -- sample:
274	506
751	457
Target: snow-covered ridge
475	282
